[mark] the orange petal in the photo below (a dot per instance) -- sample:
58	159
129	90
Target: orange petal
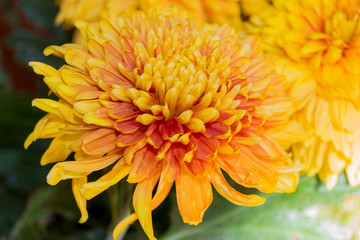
220	184
122	109
124	140
99	141
205	152
130	150
144	164
109	76
194	196
216	129
154	137
128	124
171	168
113	53
249	171
96	49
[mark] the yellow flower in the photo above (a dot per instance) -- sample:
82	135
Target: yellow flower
317	45
250	7
219	11
163	102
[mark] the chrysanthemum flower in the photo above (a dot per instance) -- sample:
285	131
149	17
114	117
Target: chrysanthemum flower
164	102
317	43
219	11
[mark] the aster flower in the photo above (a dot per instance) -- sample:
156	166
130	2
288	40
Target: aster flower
316	44
219	11
164	102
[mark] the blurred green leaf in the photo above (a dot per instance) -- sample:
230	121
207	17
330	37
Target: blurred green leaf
11	205
94	234
282	217
31	224
39	213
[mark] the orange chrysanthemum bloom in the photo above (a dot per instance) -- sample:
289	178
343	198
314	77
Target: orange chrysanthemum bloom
219	11
166	102
317	43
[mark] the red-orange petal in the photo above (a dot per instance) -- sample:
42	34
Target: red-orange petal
144	164
122	109
215	129
171	167
99	142
124	140
128	124
153	135
109	76
206	150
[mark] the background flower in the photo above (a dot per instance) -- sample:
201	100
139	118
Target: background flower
219	11
316	44
250	7
164	101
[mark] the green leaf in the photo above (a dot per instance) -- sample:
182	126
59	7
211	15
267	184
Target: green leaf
282	217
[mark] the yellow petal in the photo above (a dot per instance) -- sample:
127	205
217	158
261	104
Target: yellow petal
142	200
77	185
44	69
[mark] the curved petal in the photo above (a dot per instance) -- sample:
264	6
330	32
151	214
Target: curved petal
118	172
75	169
162	191
220	184
193	194
77	184
249	171
142	200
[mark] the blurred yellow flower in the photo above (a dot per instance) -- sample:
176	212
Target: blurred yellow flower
250	7
219	11
317	45
164	102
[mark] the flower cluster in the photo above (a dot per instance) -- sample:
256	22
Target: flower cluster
165	102
219	11
317	46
